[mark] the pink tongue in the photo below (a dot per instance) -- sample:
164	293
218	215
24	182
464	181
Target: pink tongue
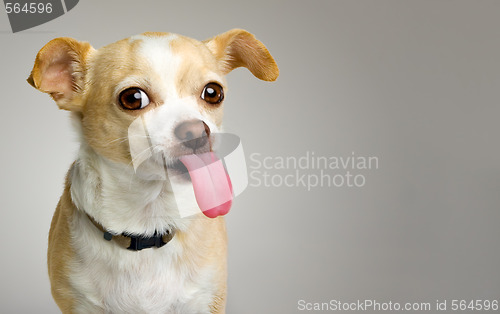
211	183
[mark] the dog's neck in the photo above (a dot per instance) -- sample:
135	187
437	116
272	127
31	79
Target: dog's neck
119	200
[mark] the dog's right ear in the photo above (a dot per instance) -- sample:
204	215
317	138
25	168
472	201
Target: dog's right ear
60	69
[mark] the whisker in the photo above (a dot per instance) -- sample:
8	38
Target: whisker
146	150
123	139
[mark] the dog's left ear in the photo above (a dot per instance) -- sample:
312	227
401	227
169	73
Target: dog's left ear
238	48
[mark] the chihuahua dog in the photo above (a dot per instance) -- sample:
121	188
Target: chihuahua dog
117	244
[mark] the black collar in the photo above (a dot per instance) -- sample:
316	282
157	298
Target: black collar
135	242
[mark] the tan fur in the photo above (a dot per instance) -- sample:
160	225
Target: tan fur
60	252
84	80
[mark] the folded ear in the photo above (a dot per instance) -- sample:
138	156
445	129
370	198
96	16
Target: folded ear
59	70
238	48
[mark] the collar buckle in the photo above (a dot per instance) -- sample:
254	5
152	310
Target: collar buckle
138	243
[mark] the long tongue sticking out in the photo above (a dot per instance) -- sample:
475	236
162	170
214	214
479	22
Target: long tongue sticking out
211	183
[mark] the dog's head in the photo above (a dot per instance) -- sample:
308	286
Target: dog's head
174	84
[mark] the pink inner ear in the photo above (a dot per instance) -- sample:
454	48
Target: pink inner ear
57	79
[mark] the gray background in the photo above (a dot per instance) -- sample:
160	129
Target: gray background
415	83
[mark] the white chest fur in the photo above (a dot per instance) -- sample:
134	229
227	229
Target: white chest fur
147	281
112	279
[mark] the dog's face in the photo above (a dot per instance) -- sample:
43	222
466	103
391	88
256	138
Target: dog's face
175	85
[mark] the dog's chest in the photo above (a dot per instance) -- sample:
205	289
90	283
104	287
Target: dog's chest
115	280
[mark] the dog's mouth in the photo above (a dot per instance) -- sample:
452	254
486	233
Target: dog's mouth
178	169
209	178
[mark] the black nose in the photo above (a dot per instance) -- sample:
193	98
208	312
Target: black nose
192	134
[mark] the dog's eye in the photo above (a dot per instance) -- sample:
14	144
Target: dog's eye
133	98
212	93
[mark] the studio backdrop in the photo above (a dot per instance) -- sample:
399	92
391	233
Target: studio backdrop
373	162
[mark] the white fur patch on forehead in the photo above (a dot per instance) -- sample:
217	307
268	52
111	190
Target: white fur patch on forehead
156	51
